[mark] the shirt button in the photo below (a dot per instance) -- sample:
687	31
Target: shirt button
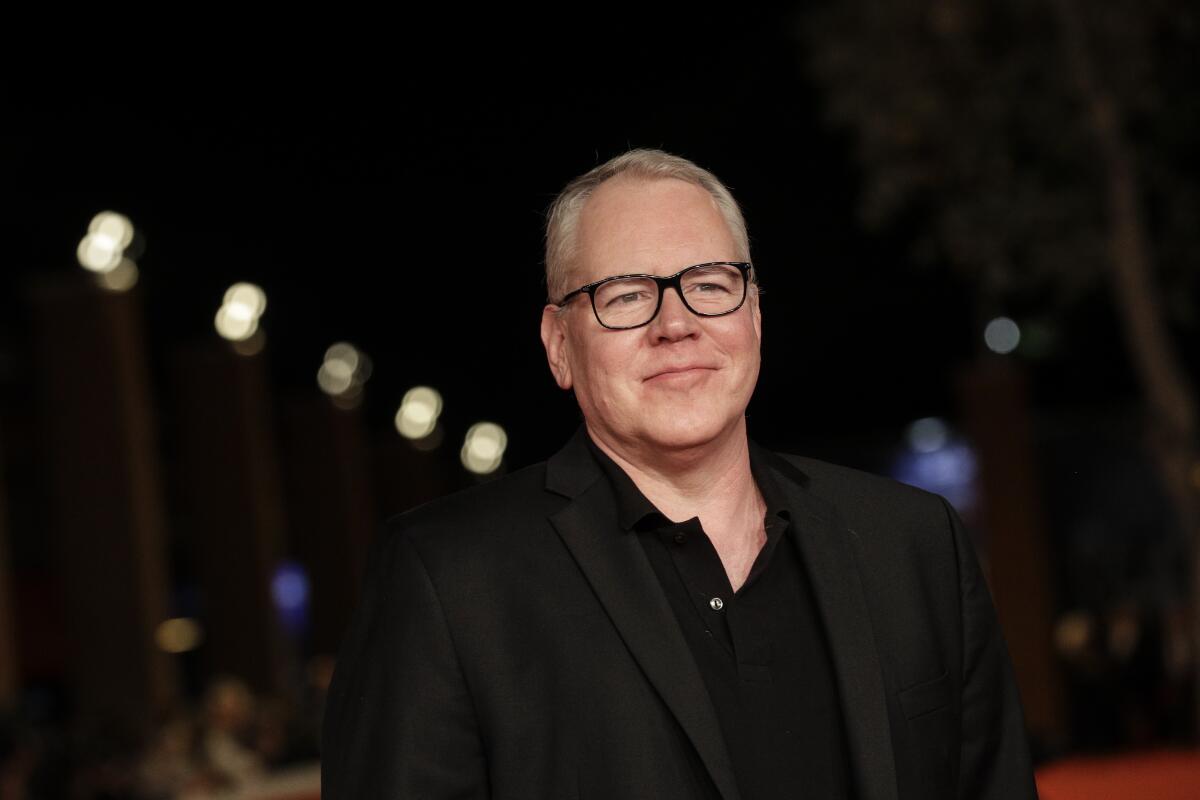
716	604
680	537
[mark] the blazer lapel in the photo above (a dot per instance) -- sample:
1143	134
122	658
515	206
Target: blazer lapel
621	576
828	552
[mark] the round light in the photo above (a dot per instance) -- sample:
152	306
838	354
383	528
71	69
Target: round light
178	635
98	252
345	355
928	435
483	448
234	324
249	299
289	587
237	319
1072	633
344	369
1002	335
332	380
418	413
113	225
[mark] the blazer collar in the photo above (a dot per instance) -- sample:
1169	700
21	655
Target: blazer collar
572	469
829	552
621	576
619	572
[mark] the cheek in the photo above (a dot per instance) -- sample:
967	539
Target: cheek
605	370
752	370
745	352
755	365
741	343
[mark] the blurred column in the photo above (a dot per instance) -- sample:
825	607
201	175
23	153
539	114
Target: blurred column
994	394
104	476
330	503
235	519
414	473
9	677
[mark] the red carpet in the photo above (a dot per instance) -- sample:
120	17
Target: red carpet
1159	775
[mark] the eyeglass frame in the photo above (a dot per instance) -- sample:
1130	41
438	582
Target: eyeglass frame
663	282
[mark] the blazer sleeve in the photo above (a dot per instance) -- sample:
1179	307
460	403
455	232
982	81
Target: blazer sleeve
399	721
994	761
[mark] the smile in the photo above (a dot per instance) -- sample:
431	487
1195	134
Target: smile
680	374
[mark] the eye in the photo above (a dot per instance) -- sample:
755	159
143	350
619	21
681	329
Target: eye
625	298
624	293
715	281
708	289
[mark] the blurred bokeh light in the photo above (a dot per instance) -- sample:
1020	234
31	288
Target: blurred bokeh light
927	435
237	318
343	373
1002	335
103	248
937	460
179	635
418	413
483	449
290	593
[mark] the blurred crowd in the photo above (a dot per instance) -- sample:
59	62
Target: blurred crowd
225	745
1129	677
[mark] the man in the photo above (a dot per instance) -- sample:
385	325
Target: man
665	610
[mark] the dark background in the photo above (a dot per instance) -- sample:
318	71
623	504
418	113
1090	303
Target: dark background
386	187
397	205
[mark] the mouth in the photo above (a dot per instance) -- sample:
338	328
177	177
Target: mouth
679	373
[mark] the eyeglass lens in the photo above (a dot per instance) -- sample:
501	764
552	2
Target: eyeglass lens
709	290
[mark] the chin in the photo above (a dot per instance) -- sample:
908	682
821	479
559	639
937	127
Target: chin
683	431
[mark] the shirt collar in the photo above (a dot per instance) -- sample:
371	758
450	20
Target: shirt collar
632	505
635	511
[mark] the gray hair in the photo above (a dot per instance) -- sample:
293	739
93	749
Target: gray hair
562	218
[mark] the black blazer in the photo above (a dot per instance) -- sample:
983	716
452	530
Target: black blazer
514	642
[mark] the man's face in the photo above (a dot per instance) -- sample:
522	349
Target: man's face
682	381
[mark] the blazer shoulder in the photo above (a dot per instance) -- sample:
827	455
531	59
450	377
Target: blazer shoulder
473	516
864	499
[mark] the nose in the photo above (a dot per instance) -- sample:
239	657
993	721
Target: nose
674	320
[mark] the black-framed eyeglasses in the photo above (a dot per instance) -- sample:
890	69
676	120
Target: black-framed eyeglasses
712	289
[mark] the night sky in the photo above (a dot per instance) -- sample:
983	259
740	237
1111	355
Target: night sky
393	199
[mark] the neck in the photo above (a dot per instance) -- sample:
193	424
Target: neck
712	481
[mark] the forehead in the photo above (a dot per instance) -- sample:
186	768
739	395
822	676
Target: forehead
657	226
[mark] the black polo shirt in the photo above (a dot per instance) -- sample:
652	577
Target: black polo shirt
761	651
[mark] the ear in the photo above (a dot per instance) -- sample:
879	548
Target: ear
756	310
554	339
